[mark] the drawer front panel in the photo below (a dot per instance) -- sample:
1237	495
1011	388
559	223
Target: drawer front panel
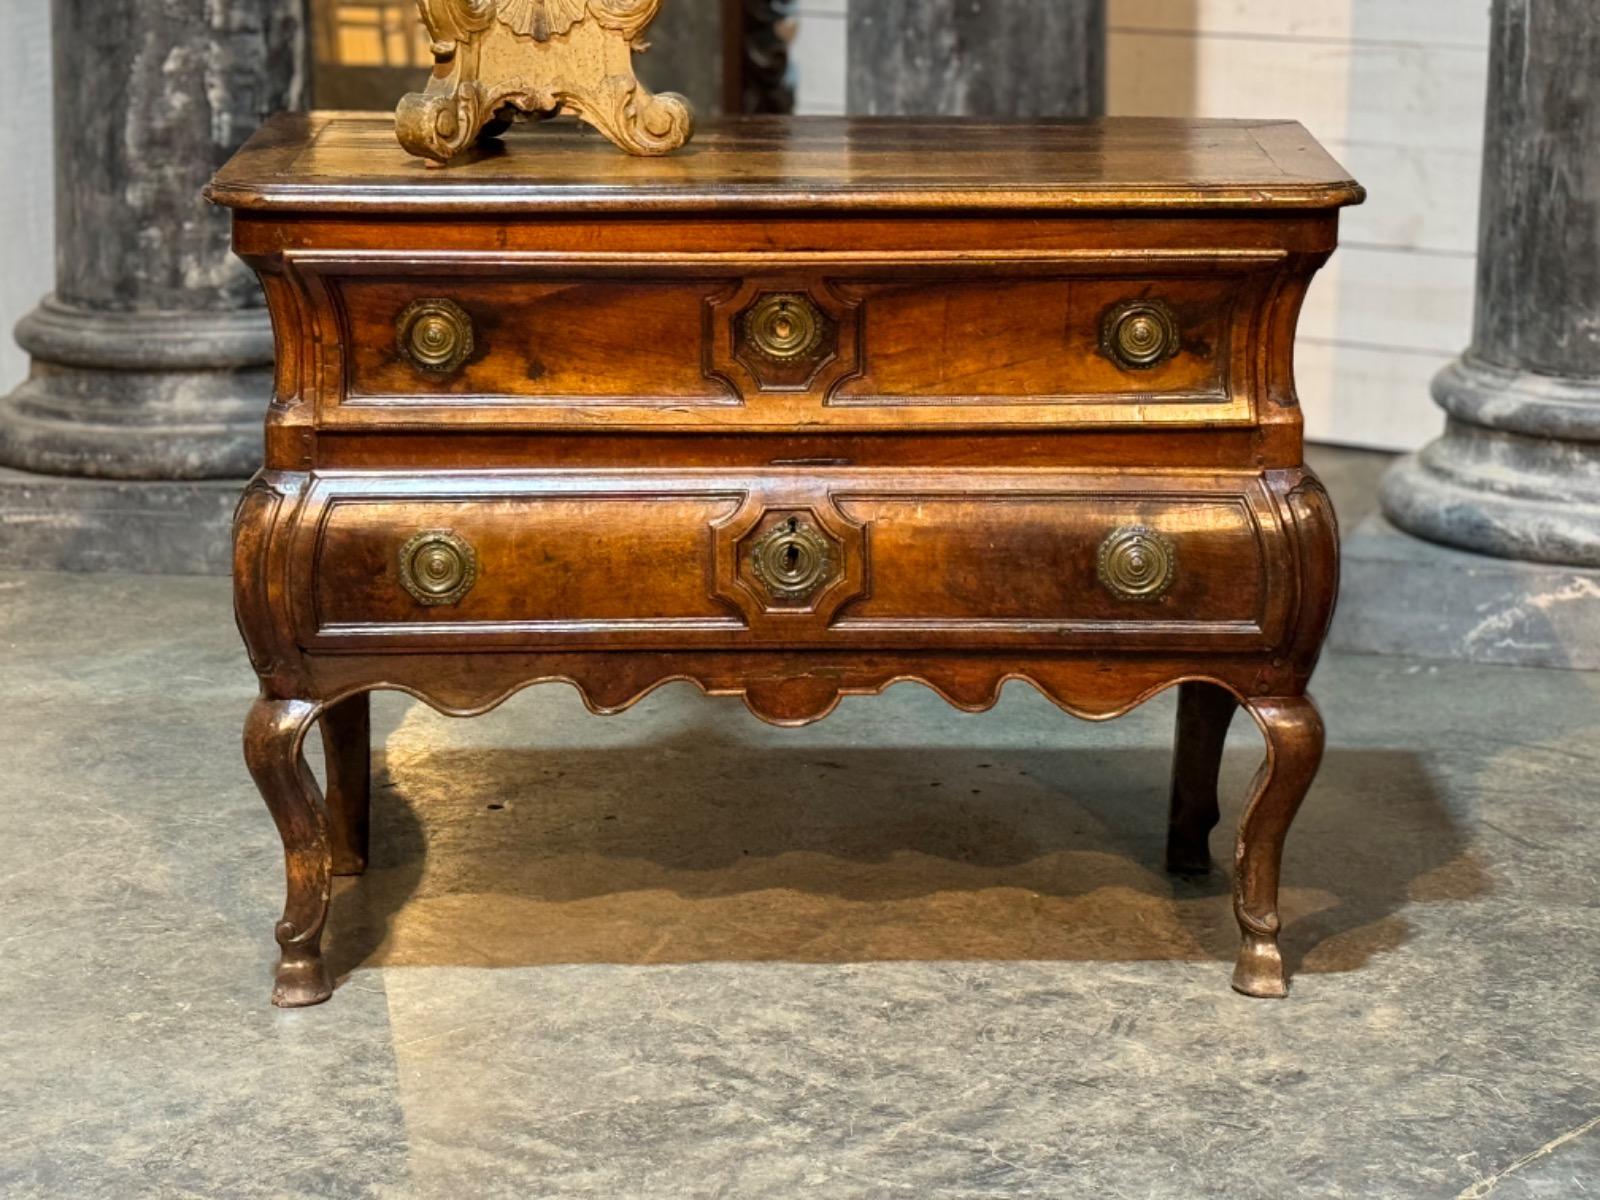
955	559
583	565
1000	342
550	343
832	346
1033	561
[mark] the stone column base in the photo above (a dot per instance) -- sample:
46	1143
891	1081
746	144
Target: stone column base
1403	595
53	523
1517	472
139	395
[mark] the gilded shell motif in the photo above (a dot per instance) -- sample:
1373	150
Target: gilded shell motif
542	19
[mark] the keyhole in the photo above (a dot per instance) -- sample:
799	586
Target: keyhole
791	558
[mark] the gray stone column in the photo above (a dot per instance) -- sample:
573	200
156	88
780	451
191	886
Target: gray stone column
1517	472
960	58
152	358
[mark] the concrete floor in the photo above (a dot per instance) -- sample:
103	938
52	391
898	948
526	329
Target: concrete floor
905	952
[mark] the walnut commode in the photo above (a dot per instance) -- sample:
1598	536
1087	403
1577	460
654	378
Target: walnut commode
813	407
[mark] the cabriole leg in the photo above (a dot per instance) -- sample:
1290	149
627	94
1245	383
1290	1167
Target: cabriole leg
1204	713
346	739
274	737
1293	729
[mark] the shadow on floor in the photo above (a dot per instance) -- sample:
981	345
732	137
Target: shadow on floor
695	851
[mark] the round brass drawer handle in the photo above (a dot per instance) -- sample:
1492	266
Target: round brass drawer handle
435	335
1139	334
438	567
785	327
792	560
1137	563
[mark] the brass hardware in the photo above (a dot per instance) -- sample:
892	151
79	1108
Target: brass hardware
792	559
435	335
1139	334
785	327
438	567
1137	563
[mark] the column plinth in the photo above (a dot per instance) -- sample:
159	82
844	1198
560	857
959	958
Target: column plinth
152	358
1517	472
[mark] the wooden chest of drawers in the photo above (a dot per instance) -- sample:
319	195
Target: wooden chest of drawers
812	407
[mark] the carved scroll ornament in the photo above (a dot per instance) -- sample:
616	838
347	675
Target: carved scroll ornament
540	57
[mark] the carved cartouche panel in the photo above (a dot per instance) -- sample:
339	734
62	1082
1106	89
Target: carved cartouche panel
539	57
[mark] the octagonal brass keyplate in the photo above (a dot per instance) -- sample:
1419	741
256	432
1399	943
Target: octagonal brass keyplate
793	559
785	327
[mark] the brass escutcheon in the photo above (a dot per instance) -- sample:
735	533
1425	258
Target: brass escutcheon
435	335
438	567
1139	334
1137	563
792	559
784	327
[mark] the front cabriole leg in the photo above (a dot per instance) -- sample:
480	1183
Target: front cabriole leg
1293	730
274	738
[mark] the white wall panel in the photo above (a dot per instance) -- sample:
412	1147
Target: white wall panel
820	56
1419	197
1386	94
1396	92
1446	22
1376	297
1344	388
27	237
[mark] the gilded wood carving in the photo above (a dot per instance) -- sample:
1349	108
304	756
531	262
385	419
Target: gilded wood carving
494	58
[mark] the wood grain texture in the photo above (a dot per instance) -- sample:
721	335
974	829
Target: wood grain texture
1204	714
346	162
931	463
346	744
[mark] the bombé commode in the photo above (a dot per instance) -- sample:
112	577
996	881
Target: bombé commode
808	408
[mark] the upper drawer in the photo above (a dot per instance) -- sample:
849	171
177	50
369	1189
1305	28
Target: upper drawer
1110	342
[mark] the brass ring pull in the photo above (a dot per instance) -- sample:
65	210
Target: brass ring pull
438	567
792	560
1139	334
435	335
785	327
1137	563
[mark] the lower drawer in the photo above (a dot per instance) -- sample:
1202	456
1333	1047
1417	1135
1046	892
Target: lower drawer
836	558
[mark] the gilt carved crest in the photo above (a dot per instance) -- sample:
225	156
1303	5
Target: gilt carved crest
493	58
